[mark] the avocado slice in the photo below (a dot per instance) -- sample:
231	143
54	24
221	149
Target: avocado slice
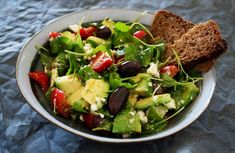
164	99
68	84
183	95
95	41
144	103
144	87
76	96
95	88
80	105
132	99
157	113
106	125
126	122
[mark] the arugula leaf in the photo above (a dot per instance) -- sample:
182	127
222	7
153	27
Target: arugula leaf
45	58
131	52
153	127
78	44
138	54
158	51
168	81
102	48
122	38
115	81
73	64
61	63
145	56
87	73
120	26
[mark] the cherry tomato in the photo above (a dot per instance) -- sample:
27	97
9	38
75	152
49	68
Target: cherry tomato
101	61
140	34
86	32
59	103
54	34
41	78
171	70
92	120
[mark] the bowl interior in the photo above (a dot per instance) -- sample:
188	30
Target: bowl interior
27	61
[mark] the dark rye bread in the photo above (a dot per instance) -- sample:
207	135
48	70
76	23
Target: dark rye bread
207	65
201	43
170	28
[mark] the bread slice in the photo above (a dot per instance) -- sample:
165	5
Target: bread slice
207	65
171	28
201	43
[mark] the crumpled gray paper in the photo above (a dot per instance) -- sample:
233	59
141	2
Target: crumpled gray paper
22	130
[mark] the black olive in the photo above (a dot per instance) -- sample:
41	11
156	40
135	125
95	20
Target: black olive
103	32
118	99
129	68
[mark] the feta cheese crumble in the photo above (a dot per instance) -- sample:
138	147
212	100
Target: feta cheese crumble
171	105
101	115
87	48
94	107
143	117
81	118
153	70
132	113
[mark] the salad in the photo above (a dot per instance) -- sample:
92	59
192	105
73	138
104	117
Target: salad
110	76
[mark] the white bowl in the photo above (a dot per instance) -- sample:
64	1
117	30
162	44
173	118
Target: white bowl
28	53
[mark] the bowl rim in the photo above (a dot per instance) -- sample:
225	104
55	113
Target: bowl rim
100	138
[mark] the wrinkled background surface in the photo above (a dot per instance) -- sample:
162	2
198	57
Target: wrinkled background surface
23	130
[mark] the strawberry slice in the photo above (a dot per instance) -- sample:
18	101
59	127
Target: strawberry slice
92	120
59	103
41	78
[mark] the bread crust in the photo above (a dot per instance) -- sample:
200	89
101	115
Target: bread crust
198	46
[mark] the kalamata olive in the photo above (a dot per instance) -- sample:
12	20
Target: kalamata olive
160	90
129	68
92	120
104	32
118	99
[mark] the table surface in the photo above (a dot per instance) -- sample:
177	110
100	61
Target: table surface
23	130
